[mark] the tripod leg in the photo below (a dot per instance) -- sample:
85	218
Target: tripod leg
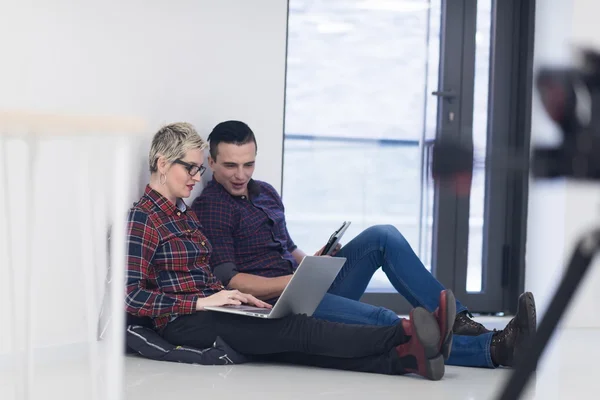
578	266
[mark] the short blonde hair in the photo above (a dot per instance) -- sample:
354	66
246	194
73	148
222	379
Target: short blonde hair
173	141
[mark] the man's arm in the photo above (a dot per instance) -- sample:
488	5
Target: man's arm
259	286
297	252
219	222
298	255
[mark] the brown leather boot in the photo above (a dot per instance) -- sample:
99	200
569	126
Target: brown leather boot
464	325
445	315
508	344
421	354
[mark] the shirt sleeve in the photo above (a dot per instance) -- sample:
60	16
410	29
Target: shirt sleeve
291	245
225	271
219	220
142	243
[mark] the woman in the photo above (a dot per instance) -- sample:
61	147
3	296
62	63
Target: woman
169	280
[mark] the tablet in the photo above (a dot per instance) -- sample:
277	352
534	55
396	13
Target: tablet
334	239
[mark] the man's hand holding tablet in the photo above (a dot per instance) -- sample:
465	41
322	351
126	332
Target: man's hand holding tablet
333	244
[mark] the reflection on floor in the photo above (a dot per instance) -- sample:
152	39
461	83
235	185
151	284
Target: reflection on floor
568	371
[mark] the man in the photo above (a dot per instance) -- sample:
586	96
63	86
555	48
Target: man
253	252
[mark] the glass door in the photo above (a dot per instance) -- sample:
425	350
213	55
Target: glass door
488	247
358	117
369	85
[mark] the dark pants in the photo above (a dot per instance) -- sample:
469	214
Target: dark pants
296	339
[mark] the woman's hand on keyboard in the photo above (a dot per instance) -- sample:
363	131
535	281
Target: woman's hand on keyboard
230	297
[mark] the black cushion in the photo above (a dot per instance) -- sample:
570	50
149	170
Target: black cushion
131	319
148	343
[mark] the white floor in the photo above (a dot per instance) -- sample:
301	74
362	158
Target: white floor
569	371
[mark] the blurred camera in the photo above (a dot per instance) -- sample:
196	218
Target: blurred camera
571	97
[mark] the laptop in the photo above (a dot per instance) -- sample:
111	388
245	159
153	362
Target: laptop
303	293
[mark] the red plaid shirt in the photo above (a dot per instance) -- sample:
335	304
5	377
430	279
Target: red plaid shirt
167	260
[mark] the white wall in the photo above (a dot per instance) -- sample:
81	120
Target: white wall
162	61
561	211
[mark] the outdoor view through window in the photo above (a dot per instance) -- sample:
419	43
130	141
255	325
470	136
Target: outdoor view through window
360	117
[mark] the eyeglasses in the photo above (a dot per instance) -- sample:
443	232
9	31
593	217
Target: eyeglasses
192	169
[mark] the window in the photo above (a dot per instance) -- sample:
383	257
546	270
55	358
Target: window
360	120
358	114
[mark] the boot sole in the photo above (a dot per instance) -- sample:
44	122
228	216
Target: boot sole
530	317
528	320
450	307
427	331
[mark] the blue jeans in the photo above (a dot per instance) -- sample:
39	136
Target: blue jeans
384	246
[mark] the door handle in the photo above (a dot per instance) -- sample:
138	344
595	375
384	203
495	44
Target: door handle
447	94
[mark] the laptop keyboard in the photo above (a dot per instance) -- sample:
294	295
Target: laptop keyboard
261	311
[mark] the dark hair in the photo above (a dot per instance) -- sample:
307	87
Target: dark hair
232	132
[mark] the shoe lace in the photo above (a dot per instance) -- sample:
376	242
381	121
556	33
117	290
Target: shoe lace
466	318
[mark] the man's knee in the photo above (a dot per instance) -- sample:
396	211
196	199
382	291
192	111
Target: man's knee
387	233
386	317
